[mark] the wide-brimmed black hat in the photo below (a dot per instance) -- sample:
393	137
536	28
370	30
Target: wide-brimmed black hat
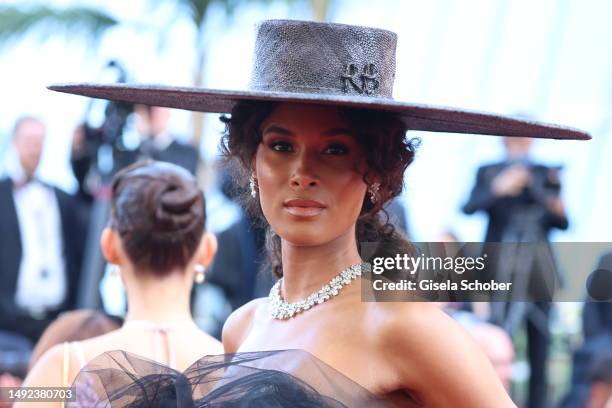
329	64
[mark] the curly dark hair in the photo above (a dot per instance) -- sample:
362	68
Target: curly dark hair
388	153
159	212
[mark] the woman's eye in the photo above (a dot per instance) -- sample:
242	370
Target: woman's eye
337	149
281	146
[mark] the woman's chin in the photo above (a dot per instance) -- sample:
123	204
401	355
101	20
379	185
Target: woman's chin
305	236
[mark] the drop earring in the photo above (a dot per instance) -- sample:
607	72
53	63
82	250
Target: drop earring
373	192
199	275
253	186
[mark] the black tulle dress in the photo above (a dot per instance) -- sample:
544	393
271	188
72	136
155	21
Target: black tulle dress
287	378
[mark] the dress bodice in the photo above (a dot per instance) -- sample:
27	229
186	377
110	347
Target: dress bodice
284	378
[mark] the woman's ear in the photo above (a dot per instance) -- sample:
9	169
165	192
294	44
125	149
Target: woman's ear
207	249
109	243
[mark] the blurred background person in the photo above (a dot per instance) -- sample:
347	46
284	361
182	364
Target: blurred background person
494	342
507	190
15	352
523	203
156	238
498	347
99	152
596	345
597	316
75	325
69	326
41	245
600	392
157	141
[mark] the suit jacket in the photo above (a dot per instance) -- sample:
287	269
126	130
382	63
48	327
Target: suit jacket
505	212
178	153
73	218
181	154
522	218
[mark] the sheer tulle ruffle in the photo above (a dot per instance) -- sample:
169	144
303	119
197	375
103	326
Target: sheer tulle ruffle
288	378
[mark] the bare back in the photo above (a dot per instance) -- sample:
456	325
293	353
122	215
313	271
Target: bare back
177	347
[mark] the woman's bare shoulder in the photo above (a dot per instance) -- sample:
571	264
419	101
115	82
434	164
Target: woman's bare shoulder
209	345
420	319
436	353
47	372
421	330
99	344
238	324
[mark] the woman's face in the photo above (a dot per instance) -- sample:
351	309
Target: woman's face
309	168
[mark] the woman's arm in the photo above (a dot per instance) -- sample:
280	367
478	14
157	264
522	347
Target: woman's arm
439	361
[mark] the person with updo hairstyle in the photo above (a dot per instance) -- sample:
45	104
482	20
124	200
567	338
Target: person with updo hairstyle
157	241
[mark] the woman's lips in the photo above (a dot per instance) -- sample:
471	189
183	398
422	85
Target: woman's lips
304	208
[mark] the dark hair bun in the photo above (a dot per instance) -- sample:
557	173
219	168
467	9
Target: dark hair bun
177	209
159	212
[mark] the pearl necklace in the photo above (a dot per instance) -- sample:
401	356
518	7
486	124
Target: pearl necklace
280	309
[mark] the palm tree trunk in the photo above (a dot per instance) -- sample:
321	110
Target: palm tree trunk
197	118
319	9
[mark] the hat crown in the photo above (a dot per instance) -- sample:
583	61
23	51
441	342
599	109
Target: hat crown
323	58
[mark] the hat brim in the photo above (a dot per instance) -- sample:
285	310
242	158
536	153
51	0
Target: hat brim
417	117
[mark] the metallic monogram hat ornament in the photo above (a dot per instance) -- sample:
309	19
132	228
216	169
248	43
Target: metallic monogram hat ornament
280	309
329	64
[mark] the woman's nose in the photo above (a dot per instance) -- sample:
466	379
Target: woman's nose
304	173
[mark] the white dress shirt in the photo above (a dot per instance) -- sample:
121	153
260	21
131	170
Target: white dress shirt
41	283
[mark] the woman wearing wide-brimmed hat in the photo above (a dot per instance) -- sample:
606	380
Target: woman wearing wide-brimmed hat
322	147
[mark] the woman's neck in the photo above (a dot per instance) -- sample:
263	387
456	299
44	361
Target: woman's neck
160	300
307	269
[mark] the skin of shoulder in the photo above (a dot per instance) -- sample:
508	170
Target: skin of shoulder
435	357
210	343
238	325
47	372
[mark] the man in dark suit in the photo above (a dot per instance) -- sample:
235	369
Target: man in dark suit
522	201
158	143
506	191
41	240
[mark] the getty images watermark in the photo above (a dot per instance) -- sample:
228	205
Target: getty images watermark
422	263
493	272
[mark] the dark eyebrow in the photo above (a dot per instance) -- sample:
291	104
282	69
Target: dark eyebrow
278	129
338	132
328	133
